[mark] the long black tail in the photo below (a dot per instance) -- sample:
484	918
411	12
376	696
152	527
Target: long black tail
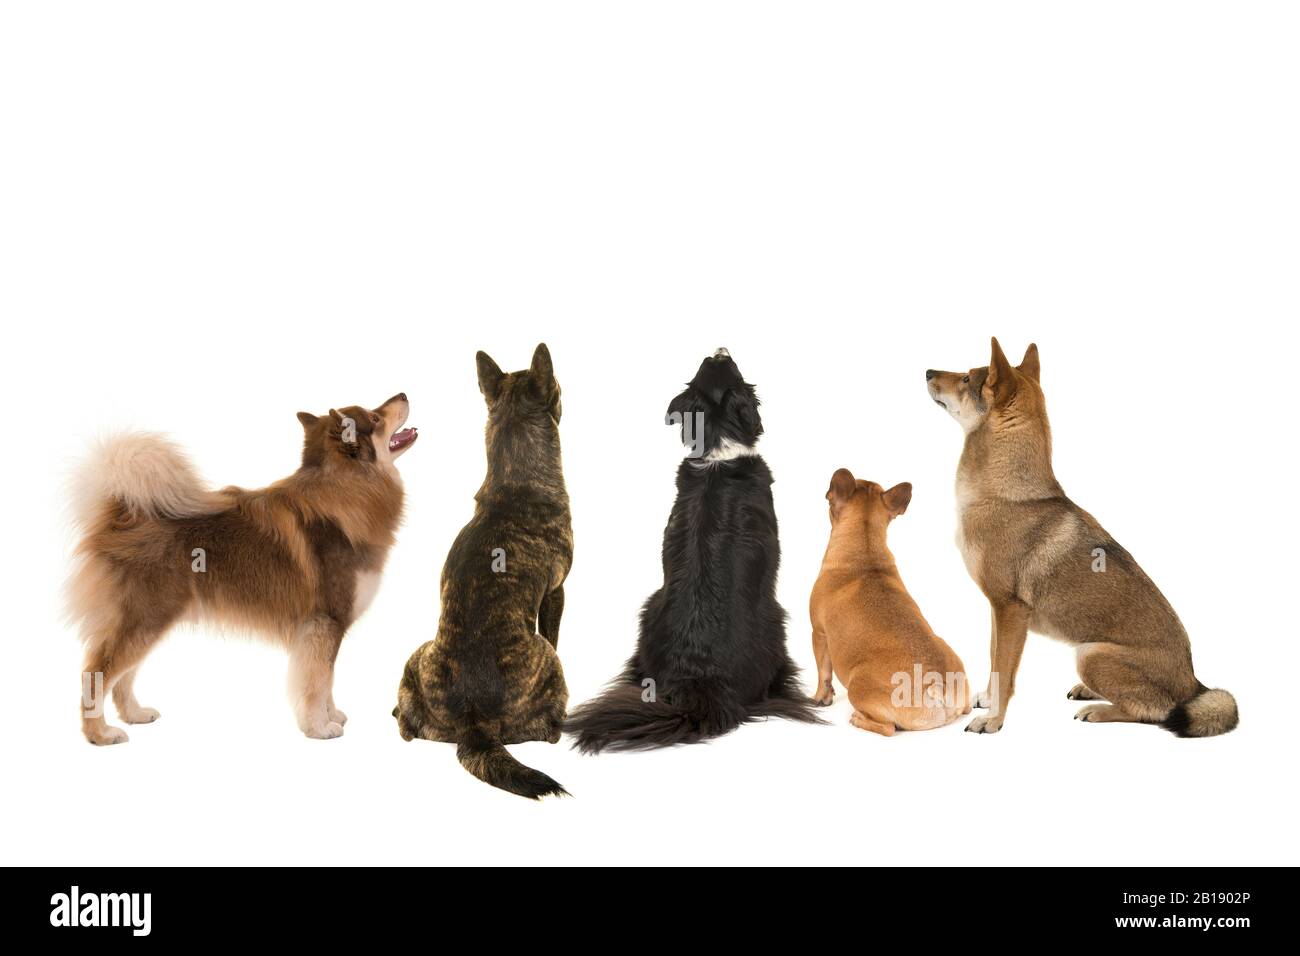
621	719
491	762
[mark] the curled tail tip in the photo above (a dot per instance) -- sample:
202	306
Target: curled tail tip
490	762
145	471
1208	714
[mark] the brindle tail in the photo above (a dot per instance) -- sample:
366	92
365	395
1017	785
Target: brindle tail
491	762
1208	714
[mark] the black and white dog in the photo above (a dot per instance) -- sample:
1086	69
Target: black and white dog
712	653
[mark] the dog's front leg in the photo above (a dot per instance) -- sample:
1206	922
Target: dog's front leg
821	651
311	678
1010	628
548	618
984	699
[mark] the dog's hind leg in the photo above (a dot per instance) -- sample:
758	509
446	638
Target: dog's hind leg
1117	675
1105	714
128	708
863	722
110	660
548	617
311	677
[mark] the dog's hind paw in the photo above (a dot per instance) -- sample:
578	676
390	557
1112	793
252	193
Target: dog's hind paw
108	736
141	715
327	732
984	725
1083	692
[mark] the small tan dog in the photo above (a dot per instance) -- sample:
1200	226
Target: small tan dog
868	631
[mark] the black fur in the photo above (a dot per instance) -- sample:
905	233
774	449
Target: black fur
713	637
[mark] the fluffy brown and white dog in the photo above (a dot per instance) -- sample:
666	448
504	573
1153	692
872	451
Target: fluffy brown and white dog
298	561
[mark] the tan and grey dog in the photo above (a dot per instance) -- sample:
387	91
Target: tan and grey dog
1046	565
298	561
868	631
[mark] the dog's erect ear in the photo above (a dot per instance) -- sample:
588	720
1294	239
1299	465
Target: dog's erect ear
1029	364
307	419
843	484
542	367
542	372
999	369
489	376
898	498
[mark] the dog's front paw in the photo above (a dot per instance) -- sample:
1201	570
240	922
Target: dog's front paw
327	731
1093	712
984	725
1082	692
140	715
824	696
337	716
983	700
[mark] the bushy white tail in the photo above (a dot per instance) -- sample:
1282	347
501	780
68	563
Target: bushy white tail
146	472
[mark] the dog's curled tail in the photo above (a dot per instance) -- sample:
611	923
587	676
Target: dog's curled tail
146	473
1208	714
489	761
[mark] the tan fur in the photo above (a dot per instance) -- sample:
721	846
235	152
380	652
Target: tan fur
868	631
284	561
1034	553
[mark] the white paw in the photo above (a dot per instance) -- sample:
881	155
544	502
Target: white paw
984	725
109	735
337	716
983	700
141	715
327	731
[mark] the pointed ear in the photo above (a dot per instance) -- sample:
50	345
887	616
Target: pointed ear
542	372
307	419
334	414
898	498
843	484
999	367
541	366
1029	364
489	376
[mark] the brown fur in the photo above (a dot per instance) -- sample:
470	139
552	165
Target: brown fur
286	561
1033	552
868	631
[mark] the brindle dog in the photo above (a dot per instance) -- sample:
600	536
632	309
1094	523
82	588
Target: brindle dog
492	676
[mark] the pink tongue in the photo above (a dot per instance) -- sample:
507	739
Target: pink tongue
401	438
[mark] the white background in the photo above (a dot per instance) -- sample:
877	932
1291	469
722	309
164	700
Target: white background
213	217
